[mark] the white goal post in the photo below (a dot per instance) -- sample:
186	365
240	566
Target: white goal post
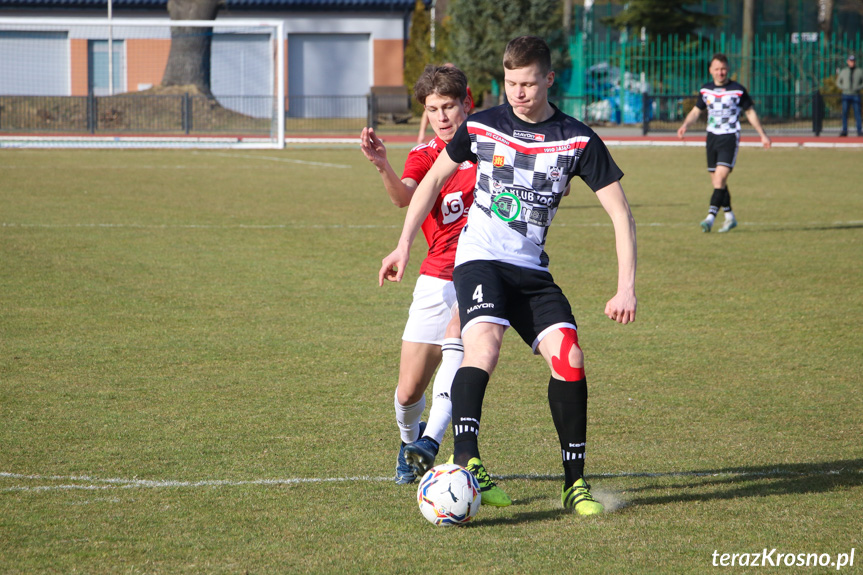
98	82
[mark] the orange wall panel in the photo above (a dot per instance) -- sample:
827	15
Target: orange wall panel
145	62
389	63
78	69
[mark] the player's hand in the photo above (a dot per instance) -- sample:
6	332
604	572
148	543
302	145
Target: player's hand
373	147
680	131
393	266
765	141
621	308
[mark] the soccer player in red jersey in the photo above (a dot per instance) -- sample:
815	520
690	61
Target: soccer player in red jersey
431	335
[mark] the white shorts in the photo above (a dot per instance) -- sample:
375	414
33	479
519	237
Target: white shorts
432	309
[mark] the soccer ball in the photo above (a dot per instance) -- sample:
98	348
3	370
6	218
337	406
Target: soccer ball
448	495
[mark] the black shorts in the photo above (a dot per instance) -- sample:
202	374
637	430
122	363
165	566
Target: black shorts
722	150
526	299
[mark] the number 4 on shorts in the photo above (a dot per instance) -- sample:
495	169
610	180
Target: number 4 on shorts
477	293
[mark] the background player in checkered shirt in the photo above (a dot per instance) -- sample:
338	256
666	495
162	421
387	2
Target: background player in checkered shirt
431	335
527	151
723	99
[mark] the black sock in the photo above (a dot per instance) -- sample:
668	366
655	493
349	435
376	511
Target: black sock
568	403
726	199
468	391
716	201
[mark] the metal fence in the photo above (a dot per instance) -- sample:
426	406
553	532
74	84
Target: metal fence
814	113
781	74
186	114
133	114
129	114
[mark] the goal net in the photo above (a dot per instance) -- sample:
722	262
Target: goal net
98	82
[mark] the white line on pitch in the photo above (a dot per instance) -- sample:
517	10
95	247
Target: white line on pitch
91	483
380	227
203	226
276	159
95	483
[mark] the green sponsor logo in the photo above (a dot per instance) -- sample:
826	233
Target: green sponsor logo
507	206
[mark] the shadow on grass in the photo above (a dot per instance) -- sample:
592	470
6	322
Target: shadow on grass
706	485
515	519
738	482
803	228
566	206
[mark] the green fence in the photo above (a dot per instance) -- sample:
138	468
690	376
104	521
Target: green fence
608	78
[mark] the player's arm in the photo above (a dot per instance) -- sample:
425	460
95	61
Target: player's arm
690	119
399	190
752	116
621	308
393	266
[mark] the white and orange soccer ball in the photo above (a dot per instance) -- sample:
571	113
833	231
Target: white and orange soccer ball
448	495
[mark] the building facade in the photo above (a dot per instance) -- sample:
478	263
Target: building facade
334	48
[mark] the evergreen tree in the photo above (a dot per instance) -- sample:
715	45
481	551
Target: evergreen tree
418	52
662	17
478	31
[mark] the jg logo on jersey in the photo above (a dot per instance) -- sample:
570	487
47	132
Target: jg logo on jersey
452	207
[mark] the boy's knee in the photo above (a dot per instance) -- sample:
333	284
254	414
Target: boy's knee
568	362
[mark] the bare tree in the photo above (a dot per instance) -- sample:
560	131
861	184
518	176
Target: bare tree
189	57
748	38
825	16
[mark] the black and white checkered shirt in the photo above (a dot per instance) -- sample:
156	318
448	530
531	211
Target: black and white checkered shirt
523	170
724	104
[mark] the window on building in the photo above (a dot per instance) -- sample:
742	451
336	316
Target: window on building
99	67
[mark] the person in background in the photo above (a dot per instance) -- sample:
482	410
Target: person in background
724	99
850	82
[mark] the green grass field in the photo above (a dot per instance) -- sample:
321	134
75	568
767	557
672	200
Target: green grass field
197	370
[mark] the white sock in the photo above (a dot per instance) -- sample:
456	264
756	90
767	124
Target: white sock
729	215
710	218
440	413
408	418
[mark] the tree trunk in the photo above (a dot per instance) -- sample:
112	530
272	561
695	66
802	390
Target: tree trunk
189	58
825	16
748	38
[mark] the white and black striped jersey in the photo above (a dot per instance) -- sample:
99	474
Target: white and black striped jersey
523	170
724	104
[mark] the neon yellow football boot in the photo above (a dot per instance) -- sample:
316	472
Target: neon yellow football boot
491	493
578	497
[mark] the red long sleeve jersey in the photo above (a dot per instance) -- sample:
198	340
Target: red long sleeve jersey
444	223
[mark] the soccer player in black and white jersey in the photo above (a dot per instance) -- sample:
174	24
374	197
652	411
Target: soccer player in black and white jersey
527	152
723	99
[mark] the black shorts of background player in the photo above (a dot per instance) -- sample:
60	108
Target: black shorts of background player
724	100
